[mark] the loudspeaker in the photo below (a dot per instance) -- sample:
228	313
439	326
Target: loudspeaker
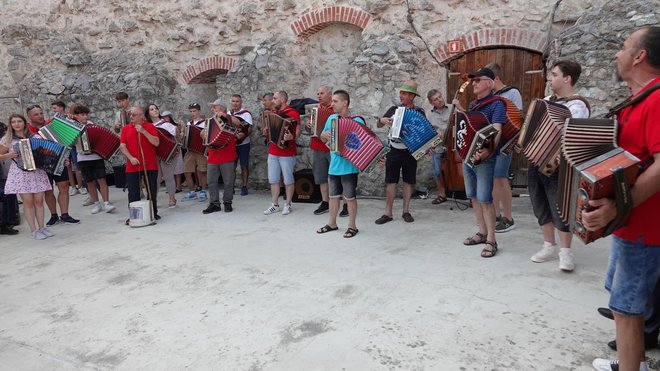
305	189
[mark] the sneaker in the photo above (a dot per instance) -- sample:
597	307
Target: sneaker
211	209
97	208
498	219
73	191
88	201
37	235
420	195
189	197
83	191
46	232
244	191
601	364
287	209
272	209
108	207
54	219
505	225
548	252
228	207
322	209
67	219
202	196
566	259
344	211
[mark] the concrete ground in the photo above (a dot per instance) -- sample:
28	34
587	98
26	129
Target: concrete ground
244	291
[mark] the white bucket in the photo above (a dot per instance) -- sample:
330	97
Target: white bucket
139	214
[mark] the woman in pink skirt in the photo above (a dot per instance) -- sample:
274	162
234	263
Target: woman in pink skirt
30	185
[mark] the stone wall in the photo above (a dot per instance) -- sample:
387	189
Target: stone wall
87	50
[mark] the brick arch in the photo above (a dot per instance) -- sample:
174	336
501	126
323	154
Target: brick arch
205	70
316	20
494	38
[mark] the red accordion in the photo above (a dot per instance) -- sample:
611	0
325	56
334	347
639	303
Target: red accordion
318	119
192	139
167	145
510	128
277	128
472	132
219	133
356	142
99	140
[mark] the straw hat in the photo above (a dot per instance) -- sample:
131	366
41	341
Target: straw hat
409	87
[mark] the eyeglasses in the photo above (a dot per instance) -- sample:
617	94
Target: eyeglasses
478	80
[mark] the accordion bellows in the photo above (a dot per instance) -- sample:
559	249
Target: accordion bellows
192	139
37	153
356	142
415	131
99	140
167	145
62	130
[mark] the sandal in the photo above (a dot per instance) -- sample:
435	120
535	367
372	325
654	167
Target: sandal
407	218
351	232
475	241
325	229
172	204
438	200
490	250
384	219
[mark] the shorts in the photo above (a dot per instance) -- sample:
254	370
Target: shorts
92	170
479	181
502	164
193	160
543	195
243	152
64	177
437	164
400	161
343	185
631	277
74	156
321	166
281	166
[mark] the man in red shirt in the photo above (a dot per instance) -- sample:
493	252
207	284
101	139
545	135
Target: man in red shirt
139	139
634	266
281	161
221	161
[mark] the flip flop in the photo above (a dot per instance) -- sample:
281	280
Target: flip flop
325	229
351	232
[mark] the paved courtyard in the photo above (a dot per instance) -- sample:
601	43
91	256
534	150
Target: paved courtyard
244	291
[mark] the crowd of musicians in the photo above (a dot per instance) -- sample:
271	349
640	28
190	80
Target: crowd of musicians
217	145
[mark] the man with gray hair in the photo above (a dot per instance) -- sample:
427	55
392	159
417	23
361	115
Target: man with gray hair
439	118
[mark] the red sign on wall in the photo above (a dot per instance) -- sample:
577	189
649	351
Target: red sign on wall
454	46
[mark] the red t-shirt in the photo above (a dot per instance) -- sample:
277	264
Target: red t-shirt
223	155
33	129
639	134
291	150
317	143
129	136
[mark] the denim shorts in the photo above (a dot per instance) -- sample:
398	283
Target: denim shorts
437	164
343	185
502	164
632	273
281	165
321	166
243	152
479	181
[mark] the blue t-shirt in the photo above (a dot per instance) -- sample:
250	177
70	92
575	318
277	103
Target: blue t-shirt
495	112
338	164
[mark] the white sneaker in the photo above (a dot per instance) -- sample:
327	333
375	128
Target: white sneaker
272	209
83	191
566	259
73	191
37	235
97	208
46	232
601	364
88	201
548	252
287	209
108	207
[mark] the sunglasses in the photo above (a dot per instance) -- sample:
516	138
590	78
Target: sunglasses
478	80
31	107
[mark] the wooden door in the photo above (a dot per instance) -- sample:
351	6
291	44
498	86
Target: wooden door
522	69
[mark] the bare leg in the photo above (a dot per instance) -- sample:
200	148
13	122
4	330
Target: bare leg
441	187
245	172
49	196
334	210
390	192
407	194
352	212
488	212
63	197
202	179
93	193
502	191
629	341
28	209
566	239
289	192
548	231
189	182
324	191
104	189
275	193
39	208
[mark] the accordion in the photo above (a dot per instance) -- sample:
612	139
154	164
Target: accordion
38	153
219	133
414	130
277	127
356	142
100	140
318	118
167	145
540	136
472	132
62	130
192	139
511	129
593	167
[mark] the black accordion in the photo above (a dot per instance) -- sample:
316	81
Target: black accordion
37	153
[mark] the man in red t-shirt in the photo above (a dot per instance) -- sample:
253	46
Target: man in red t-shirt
221	161
139	139
634	267
281	161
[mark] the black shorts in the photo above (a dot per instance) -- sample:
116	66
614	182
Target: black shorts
543	195
400	161
64	177
92	170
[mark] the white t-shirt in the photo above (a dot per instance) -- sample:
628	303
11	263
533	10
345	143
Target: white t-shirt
577	107
80	156
247	117
169	127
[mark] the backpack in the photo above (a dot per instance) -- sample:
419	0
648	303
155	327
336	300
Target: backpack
299	104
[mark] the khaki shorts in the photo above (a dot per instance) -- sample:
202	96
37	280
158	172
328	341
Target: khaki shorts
193	160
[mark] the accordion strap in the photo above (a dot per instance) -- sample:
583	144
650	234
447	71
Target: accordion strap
631	101
623	199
